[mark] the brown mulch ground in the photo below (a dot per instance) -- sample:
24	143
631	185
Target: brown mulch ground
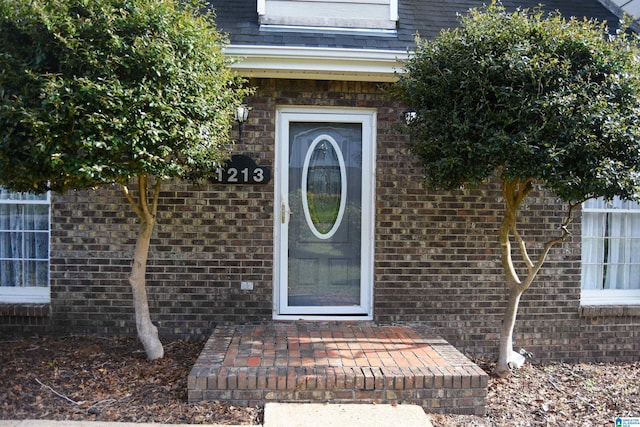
557	394
109	379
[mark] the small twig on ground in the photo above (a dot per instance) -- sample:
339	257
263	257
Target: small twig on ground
100	403
556	386
586	402
59	394
578	397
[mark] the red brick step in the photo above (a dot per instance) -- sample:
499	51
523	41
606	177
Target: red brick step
249	365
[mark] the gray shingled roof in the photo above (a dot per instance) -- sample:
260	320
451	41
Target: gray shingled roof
239	19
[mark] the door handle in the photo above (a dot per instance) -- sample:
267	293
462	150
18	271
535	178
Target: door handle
285	213
282	213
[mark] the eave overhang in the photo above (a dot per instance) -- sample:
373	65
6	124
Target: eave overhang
317	63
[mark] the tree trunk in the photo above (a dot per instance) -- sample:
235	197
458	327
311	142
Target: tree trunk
506	332
147	331
513	193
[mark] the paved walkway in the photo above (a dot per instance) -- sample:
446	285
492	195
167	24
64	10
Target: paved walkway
290	415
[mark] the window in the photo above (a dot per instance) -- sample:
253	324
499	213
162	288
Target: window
24	247
610	252
372	15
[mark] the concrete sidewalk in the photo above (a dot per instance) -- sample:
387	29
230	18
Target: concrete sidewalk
289	415
338	415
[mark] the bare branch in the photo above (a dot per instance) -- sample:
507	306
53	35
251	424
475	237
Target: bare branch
156	196
508	222
551	243
514	192
523	189
143	196
131	200
508	189
59	394
523	247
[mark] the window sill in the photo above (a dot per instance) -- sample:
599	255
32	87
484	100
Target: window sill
591	311
610	297
24	310
25	295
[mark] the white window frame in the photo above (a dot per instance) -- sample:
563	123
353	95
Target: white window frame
30	294
609	297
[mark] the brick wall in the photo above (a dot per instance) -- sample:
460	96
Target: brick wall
24	319
436	256
207	240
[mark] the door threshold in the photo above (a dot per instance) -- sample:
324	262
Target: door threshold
323	317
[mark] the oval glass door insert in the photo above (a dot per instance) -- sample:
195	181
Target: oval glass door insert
324	186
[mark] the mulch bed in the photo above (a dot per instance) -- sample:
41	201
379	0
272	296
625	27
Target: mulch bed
557	394
108	378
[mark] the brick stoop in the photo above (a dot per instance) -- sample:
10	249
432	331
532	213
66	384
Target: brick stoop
249	365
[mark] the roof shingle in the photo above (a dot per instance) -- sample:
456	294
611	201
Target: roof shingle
239	19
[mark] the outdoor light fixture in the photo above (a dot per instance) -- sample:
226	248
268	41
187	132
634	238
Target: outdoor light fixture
241	115
409	117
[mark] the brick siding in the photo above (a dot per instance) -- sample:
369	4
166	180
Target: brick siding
24	319
436	253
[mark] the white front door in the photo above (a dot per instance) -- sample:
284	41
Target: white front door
324	211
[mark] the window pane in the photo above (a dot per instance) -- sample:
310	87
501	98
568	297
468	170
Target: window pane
614	276
634	276
11	245
36	245
592	276
594	204
324	257
24	240
10	195
610	244
37	217
10	217
37	273
11	273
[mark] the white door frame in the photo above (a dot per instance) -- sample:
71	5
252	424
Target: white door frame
285	115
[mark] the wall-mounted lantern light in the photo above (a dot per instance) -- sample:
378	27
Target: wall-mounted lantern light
409	117
241	115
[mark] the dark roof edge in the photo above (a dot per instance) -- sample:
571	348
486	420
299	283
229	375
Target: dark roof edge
620	12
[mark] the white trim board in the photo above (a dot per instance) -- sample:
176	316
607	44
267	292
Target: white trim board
317	63
25	295
610	297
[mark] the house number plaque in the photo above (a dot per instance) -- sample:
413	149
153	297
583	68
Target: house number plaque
242	169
